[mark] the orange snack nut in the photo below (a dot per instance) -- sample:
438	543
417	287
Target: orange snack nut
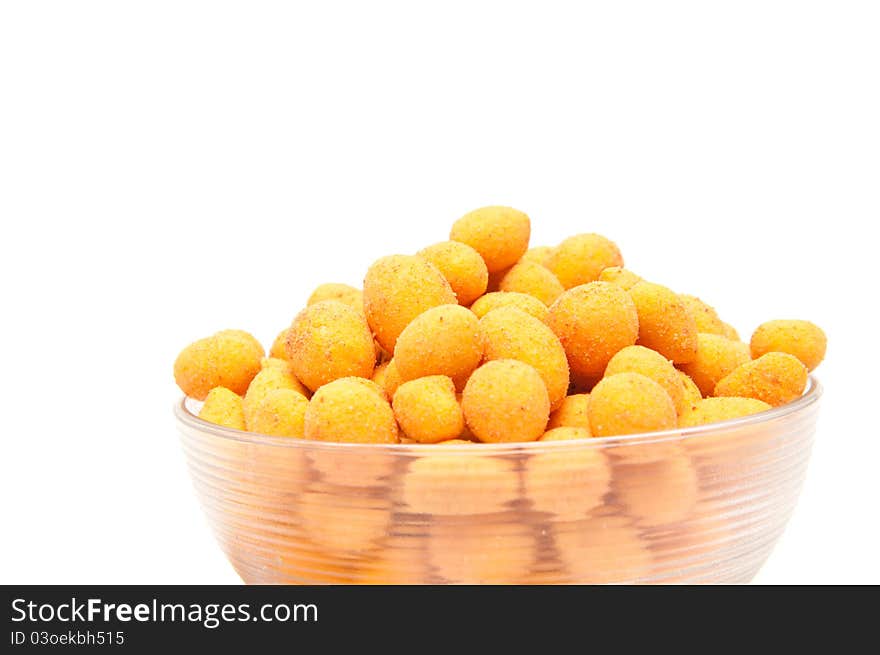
716	357
276	374
581	258
499	234
244	336
532	279
776	378
568	482
622	277
571	413
223	407
730	332
593	322
509	333
398	288
276	362
536	254
665	323
278	412
457	483
387	377
496	299
373	386
443	340
279	346
462	266
651	364
629	403
705	316
481	553
659	492
803	339
427	410
605	548
344	293
721	408
692	393
330	340
506	400
349	411
230	359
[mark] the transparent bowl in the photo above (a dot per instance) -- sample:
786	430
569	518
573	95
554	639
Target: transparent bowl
692	505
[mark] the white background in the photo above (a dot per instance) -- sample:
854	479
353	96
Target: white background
168	169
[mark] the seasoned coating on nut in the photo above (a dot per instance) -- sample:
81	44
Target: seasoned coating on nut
462	266
532	279
273	376
705	316
427	410
571	413
581	258
279	413
330	340
344	293
443	340
230	358
387	377
499	234
349	411
622	277
509	333
593	321
506	400
537	254
638	359
803	339
716	357
713	410
279	346
629	403
398	288
223	407
665	323
494	300
776	378
692	393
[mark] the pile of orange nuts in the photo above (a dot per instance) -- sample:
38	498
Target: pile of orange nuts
481	339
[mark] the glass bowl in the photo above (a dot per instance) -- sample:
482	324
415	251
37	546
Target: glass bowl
692	505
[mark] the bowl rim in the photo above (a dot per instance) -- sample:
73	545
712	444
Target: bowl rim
809	398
